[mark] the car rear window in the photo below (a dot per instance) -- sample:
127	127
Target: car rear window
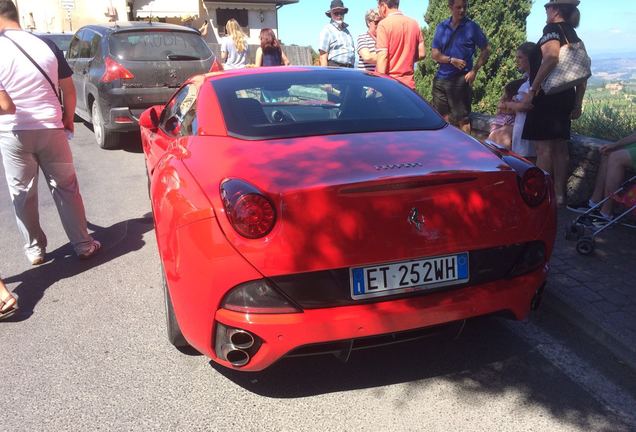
318	102
62	41
158	45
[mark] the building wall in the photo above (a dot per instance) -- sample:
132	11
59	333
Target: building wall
49	16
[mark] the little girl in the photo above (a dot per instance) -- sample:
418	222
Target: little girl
501	125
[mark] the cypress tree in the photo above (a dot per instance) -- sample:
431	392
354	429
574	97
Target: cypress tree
504	23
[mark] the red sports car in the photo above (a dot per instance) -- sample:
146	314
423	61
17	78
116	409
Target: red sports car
308	210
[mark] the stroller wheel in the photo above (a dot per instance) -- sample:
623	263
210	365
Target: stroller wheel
574	231
585	245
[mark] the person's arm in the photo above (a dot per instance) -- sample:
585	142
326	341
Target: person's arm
630	139
204	29
367	55
258	62
69	99
550	53
323	58
6	103
284	58
443	59
578	104
382	49
421	51
382	62
481	61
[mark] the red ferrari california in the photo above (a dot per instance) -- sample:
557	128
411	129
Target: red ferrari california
312	210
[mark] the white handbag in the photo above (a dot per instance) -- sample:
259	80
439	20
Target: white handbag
574	68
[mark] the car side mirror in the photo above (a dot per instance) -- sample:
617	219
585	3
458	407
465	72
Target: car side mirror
149	119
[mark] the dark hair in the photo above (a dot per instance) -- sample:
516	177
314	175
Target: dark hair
527	48
451	3
511	89
569	13
269	40
8	10
391	4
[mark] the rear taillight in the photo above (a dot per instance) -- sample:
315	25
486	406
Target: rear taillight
114	71
258	297
216	66
250	212
533	186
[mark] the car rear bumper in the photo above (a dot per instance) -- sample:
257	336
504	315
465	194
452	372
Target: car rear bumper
282	334
121	107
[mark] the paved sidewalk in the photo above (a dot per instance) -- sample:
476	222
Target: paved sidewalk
597	293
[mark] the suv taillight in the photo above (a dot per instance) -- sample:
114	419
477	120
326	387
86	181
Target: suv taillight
250	212
114	71
533	186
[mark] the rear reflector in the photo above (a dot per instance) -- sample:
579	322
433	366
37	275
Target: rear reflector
123	120
114	71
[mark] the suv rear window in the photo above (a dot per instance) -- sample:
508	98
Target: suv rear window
158	45
319	102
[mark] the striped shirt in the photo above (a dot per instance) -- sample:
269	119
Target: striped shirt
367	41
337	43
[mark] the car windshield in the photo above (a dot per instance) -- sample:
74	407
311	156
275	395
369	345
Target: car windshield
319	102
158	45
62	41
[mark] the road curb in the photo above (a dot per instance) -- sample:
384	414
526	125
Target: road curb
615	345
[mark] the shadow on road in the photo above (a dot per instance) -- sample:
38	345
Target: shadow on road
487	360
62	263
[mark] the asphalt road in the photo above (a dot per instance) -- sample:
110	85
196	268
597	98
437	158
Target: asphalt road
88	349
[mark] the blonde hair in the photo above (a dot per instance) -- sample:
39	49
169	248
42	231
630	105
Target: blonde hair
233	29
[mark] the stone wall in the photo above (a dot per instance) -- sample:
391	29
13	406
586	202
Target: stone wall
584	159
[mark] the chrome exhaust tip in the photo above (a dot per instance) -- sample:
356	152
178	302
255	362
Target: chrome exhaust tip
241	339
236	357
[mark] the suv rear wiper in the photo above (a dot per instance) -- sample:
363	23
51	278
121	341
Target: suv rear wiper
181	57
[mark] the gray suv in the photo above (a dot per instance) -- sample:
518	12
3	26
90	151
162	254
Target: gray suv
121	69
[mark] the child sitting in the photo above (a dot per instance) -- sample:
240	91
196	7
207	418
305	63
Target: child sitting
501	125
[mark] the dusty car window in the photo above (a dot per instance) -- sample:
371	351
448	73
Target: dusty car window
158	45
314	102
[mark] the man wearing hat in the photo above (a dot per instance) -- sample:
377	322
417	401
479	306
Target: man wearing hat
336	45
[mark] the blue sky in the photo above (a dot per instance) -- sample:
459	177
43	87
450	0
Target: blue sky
607	26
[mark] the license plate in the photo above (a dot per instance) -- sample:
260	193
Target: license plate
421	274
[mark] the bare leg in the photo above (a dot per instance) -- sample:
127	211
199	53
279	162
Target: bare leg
7	301
617	164
544	156
561	162
599	187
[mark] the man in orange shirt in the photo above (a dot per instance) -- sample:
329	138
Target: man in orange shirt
399	43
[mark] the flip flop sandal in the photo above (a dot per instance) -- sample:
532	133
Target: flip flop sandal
10	310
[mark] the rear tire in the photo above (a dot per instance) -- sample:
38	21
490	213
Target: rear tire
105	139
174	332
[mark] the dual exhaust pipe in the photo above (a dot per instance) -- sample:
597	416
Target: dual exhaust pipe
235	351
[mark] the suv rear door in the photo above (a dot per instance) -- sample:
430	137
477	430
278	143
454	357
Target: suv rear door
160	60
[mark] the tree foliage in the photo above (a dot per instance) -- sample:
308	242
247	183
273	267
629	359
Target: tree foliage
504	23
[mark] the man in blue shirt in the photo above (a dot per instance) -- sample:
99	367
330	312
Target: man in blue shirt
454	45
336	43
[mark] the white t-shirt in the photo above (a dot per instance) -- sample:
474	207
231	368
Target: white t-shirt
235	59
37	107
519	145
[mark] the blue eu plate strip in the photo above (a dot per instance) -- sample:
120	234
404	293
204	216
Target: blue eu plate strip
358	281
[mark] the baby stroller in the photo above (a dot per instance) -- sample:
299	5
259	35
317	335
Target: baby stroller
588	225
